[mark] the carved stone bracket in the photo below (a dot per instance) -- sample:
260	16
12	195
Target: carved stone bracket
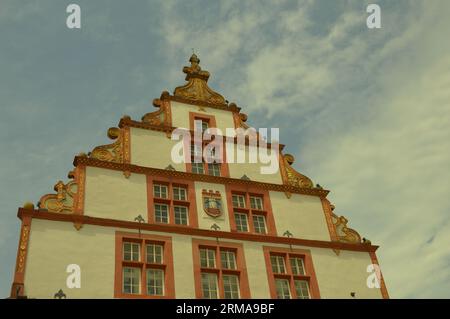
62	201
291	176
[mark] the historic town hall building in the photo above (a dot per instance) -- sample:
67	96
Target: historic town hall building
134	223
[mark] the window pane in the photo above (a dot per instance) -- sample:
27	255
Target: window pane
283	291
214	169
231	286
228	259
179	193
241	222
131	251
160	191
161	213
256	203
209	286
155	282
207	258
238	201
154	254
181	215
302	289
131	280
197	168
277	264
259	223
297	266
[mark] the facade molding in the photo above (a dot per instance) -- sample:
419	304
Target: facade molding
183	230
86	161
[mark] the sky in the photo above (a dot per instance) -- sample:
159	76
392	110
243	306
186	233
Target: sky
365	112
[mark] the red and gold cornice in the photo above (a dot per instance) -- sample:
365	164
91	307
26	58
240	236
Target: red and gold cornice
86	161
84	219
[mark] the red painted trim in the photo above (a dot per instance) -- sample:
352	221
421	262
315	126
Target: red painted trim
80	160
326	205
383	288
309	269
241	270
169	282
193	231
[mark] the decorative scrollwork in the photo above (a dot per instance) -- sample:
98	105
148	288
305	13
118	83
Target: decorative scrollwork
197	88
344	233
110	152
293	177
62	201
159	117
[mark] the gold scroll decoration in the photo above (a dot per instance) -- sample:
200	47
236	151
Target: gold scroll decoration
293	177
159	117
197	88
344	233
110	152
62	201
23	248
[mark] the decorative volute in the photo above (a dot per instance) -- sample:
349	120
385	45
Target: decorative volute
197	88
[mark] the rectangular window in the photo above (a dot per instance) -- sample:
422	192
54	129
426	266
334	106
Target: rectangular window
154	254
278	266
297	266
201	125
160	191
209	286
214	169
179	193
181	215
283	290
241	222
155	282
302	289
162	213
256	203
238	201
259	224
207	258
131	251
131	280
197	168
228	259
231	286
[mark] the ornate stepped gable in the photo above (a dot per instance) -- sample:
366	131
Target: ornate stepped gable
196	91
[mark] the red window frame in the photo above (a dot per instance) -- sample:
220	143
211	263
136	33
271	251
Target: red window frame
166	265
250	212
211	120
190	201
240	271
286	253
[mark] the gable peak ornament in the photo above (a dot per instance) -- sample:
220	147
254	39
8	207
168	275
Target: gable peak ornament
212	203
197	88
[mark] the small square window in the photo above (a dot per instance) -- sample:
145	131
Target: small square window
228	259
238	201
160	191
256	202
209	286
297	265
154	254
283	290
179	193
131	251
197	168
207	258
231	286
214	169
